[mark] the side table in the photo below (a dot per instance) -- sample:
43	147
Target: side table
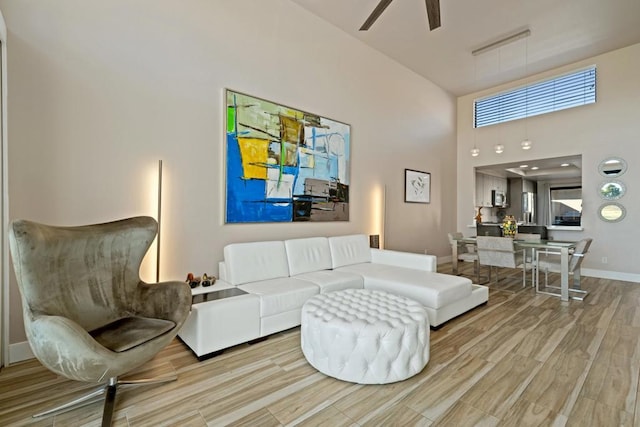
221	316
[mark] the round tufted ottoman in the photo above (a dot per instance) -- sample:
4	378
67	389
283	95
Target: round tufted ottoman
365	336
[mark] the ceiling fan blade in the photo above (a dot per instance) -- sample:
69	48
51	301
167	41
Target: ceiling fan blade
375	14
433	12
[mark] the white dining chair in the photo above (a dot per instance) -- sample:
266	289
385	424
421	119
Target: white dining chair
549	261
528	237
500	252
531	255
465	252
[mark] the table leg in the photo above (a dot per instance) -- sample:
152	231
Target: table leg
564	274
534	268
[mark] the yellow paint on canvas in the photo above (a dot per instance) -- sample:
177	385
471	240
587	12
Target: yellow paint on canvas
290	112
254	152
291	130
307	158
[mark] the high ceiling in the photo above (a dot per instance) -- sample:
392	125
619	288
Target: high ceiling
562	32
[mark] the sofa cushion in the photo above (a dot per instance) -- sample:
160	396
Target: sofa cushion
305	255
348	250
280	295
331	281
404	259
431	289
364	269
251	262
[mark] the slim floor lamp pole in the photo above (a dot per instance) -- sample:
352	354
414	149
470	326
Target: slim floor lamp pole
159	220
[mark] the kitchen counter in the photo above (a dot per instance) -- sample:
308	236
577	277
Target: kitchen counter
564	227
549	227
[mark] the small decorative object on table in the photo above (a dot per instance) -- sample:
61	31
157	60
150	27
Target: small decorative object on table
509	226
208	280
205	280
193	282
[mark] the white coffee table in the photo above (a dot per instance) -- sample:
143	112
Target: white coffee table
365	336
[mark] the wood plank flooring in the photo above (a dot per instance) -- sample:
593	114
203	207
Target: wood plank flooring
521	360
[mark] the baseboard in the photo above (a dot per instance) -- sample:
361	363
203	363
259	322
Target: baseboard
590	272
19	352
614	275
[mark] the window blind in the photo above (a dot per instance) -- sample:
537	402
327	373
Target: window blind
555	94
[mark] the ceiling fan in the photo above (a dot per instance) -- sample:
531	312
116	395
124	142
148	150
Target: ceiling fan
433	12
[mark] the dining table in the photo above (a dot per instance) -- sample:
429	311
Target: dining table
563	248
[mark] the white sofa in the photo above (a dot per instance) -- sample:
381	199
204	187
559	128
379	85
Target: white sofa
283	275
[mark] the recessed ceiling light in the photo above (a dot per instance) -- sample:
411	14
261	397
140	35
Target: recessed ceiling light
564	165
535	168
524	166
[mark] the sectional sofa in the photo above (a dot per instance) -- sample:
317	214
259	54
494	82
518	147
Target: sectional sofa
280	276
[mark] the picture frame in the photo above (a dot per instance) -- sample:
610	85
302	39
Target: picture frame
417	186
284	164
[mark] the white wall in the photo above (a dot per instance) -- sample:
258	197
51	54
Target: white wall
608	128
100	90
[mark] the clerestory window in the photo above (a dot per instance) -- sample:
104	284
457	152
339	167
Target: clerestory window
558	93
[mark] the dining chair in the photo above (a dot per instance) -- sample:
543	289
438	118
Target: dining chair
465	252
500	252
530	255
528	236
549	261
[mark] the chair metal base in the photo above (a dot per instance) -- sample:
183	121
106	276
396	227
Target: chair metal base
476	272
496	269
109	392
575	293
581	294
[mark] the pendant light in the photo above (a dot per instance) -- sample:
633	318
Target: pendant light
526	143
499	147
475	152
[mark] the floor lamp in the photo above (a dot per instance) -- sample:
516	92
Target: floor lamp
159	220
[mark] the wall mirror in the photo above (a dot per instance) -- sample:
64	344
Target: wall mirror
612	167
612	190
612	212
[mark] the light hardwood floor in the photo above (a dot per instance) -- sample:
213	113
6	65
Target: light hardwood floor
522	360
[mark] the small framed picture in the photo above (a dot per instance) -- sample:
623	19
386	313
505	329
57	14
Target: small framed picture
417	186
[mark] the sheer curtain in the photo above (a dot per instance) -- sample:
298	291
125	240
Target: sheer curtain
543	203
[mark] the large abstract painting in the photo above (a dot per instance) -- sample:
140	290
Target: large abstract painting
283	164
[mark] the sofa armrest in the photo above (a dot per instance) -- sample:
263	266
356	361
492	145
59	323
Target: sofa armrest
404	259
